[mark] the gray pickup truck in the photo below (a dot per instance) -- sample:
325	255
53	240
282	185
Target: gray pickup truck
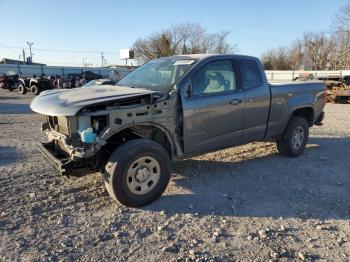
172	108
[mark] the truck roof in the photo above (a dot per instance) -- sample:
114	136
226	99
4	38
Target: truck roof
203	56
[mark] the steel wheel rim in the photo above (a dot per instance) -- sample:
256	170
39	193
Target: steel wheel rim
143	175
298	137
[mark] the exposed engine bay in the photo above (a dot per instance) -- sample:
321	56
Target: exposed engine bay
89	132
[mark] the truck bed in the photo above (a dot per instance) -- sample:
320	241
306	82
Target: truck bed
291	95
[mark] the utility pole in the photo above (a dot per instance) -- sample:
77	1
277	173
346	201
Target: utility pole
102	58
30	50
24	57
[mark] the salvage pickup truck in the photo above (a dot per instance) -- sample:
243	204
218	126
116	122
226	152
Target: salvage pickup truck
172	108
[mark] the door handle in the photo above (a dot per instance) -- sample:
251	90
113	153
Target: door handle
235	101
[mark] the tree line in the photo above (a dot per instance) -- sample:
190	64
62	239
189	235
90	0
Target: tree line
183	38
315	51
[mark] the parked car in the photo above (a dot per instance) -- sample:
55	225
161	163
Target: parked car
169	109
88	75
34	85
78	80
9	81
99	82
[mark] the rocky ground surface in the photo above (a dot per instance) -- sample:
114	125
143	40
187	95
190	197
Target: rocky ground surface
241	204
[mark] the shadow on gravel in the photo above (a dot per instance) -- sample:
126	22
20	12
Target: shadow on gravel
8	97
9	154
9	108
9	123
314	185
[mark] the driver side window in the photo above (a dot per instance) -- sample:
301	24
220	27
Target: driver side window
214	77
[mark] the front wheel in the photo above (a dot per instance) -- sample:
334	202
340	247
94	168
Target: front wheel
34	90
137	172
295	138
21	89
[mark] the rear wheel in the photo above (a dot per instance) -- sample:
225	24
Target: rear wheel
137	173
295	138
21	89
34	90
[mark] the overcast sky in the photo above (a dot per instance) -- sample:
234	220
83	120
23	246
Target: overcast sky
86	28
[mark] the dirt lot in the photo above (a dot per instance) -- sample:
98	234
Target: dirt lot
242	204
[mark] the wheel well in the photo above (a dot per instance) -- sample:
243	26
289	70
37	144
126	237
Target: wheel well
153	133
307	113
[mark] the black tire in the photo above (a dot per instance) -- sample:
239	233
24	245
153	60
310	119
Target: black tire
286	145
122	160
34	90
21	89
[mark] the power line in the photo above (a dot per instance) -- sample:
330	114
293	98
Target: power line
20	49
7	47
58	50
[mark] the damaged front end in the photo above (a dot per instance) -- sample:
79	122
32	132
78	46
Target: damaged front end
78	130
66	149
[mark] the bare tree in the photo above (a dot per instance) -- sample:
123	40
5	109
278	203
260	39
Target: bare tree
184	38
315	52
340	55
277	59
296	55
155	46
318	50
221	46
268	59
340	58
342	20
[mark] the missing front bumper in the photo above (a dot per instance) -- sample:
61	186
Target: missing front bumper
63	164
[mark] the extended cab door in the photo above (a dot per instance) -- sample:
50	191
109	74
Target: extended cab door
256	101
212	113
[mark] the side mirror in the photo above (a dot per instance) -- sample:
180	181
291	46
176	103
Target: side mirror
188	89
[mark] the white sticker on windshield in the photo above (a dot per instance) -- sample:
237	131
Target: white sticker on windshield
184	62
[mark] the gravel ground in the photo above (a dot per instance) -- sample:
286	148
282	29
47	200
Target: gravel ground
240	204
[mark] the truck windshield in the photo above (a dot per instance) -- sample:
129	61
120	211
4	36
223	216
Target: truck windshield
158	75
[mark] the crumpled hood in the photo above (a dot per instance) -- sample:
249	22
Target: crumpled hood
68	102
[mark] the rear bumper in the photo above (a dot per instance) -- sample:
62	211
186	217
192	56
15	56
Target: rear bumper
63	164
320	119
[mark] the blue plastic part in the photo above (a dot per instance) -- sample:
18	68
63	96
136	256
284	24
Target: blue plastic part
87	136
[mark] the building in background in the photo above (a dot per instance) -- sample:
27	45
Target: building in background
16	62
